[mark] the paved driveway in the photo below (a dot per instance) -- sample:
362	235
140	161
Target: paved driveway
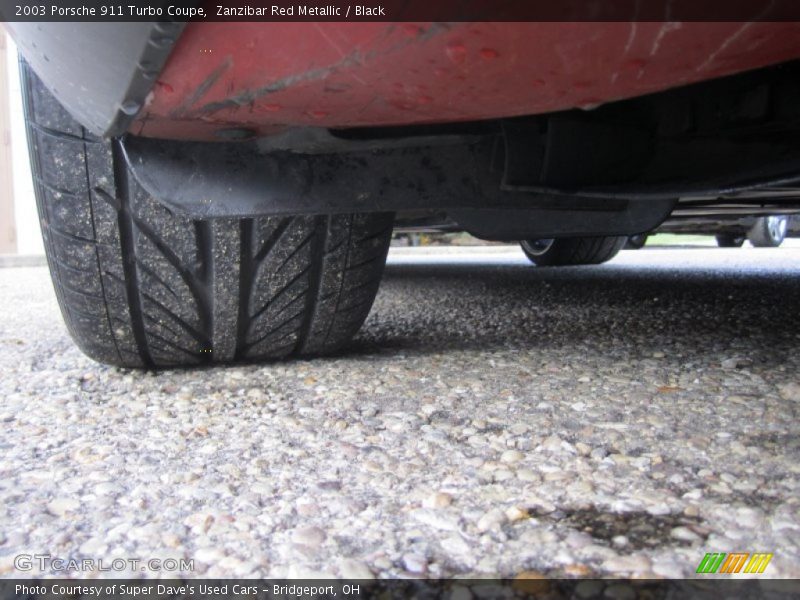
491	418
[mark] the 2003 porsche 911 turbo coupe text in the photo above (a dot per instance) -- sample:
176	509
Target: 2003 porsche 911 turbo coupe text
225	191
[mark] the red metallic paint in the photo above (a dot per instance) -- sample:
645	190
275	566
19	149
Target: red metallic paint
270	76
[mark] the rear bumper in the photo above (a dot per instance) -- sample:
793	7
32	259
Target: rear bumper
267	77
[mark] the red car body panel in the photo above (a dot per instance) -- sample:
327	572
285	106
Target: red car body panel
266	77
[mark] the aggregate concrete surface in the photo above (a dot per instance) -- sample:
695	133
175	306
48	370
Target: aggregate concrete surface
491	418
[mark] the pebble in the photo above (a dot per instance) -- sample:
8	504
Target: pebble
93	547
62	506
684	534
414	563
458	548
350	568
437	519
553	443
790	391
542	506
515	513
691	511
598	453
620	540
577	570
735	362
634	563
438	500
527	475
502	475
670	567
512	456
107	489
313	537
209	555
491	521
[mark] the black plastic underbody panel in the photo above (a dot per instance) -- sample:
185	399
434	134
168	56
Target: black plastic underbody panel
204	180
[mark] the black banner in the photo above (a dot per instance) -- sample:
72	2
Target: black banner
455	589
399	10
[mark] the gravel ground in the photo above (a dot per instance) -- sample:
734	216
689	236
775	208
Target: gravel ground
491	418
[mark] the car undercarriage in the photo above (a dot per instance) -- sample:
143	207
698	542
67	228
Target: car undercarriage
230	208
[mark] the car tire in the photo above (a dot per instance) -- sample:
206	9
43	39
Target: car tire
768	232
572	251
729	240
139	286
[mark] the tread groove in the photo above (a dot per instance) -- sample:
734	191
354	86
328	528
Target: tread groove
197	335
352	307
83	293
292	301
278	294
361	286
71	236
294	252
97	254
314	279
108	198
131	279
54	189
188	277
85	315
268	246
61	134
162	325
274	330
175	346
342	279
204	236
245	284
62	265
142	266
374	236
364	263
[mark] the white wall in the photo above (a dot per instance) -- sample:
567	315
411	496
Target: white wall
29	236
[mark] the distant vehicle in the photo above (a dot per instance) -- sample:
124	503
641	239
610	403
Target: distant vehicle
560	252
762	232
